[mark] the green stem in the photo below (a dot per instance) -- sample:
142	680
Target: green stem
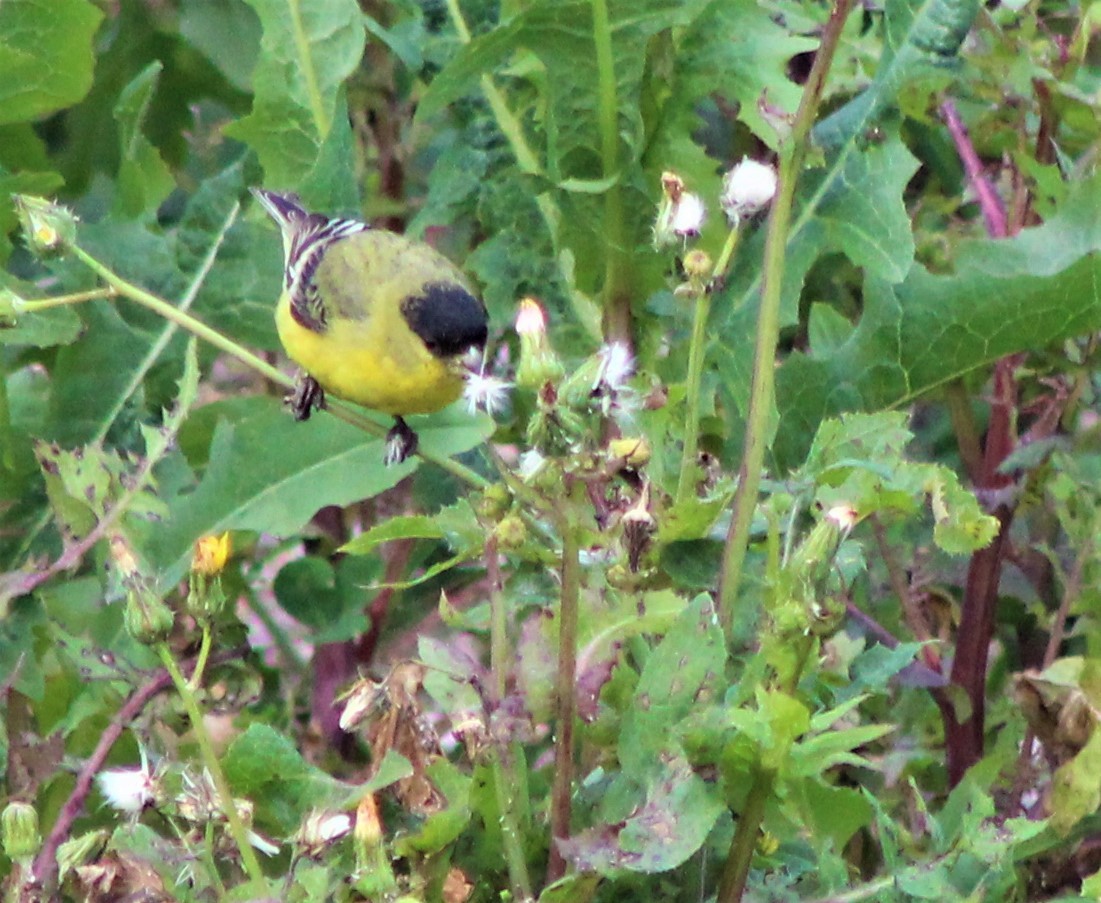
565	692
617	300
768	321
505	780
214	768
696	354
161	343
200	660
174	315
36	304
736	870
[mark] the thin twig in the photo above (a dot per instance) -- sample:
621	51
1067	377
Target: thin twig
991	205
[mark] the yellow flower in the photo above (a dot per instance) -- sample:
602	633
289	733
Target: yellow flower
211	553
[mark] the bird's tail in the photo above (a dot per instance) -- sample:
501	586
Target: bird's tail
285	209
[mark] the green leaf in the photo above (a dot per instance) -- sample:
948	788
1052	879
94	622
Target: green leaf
328	597
679	674
921	40
1005	296
560	33
45	55
227	34
264	766
270	474
670	826
1076	787
836	813
144	180
298	119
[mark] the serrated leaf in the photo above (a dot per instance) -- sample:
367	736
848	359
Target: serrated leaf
46	55
308	50
271	474
1005	296
921	39
264	766
685	666
144	180
561	35
669	827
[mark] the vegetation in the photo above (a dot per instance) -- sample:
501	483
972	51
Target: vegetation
772	572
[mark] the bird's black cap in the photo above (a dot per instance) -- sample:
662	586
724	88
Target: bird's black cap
448	319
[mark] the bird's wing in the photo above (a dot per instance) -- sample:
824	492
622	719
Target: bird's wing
312	237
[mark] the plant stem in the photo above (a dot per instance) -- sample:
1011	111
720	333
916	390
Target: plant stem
617	298
214	768
36	304
565	700
174	315
768	321
736	870
200	660
696	354
505	780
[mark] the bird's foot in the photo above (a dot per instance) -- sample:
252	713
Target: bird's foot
307	397
401	442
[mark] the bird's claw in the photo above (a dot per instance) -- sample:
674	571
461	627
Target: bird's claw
401	442
307	397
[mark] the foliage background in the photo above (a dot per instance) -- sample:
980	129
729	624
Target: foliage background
855	734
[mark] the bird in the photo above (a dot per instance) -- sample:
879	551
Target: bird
372	317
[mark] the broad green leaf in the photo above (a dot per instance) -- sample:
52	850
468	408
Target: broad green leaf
308	50
264	766
922	39
1005	296
670	826
561	36
680	673
238	296
330	598
1076	787
835	812
144	180
227	33
46	56
270	474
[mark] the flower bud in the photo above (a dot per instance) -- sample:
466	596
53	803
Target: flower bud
19	830
681	214
511	532
148	619
538	362
748	188
47	227
697	265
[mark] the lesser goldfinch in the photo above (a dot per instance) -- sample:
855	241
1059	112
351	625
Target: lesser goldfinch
372	317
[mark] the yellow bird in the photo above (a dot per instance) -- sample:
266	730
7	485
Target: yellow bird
372	317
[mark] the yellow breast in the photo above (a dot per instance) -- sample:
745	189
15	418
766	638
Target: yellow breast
376	362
